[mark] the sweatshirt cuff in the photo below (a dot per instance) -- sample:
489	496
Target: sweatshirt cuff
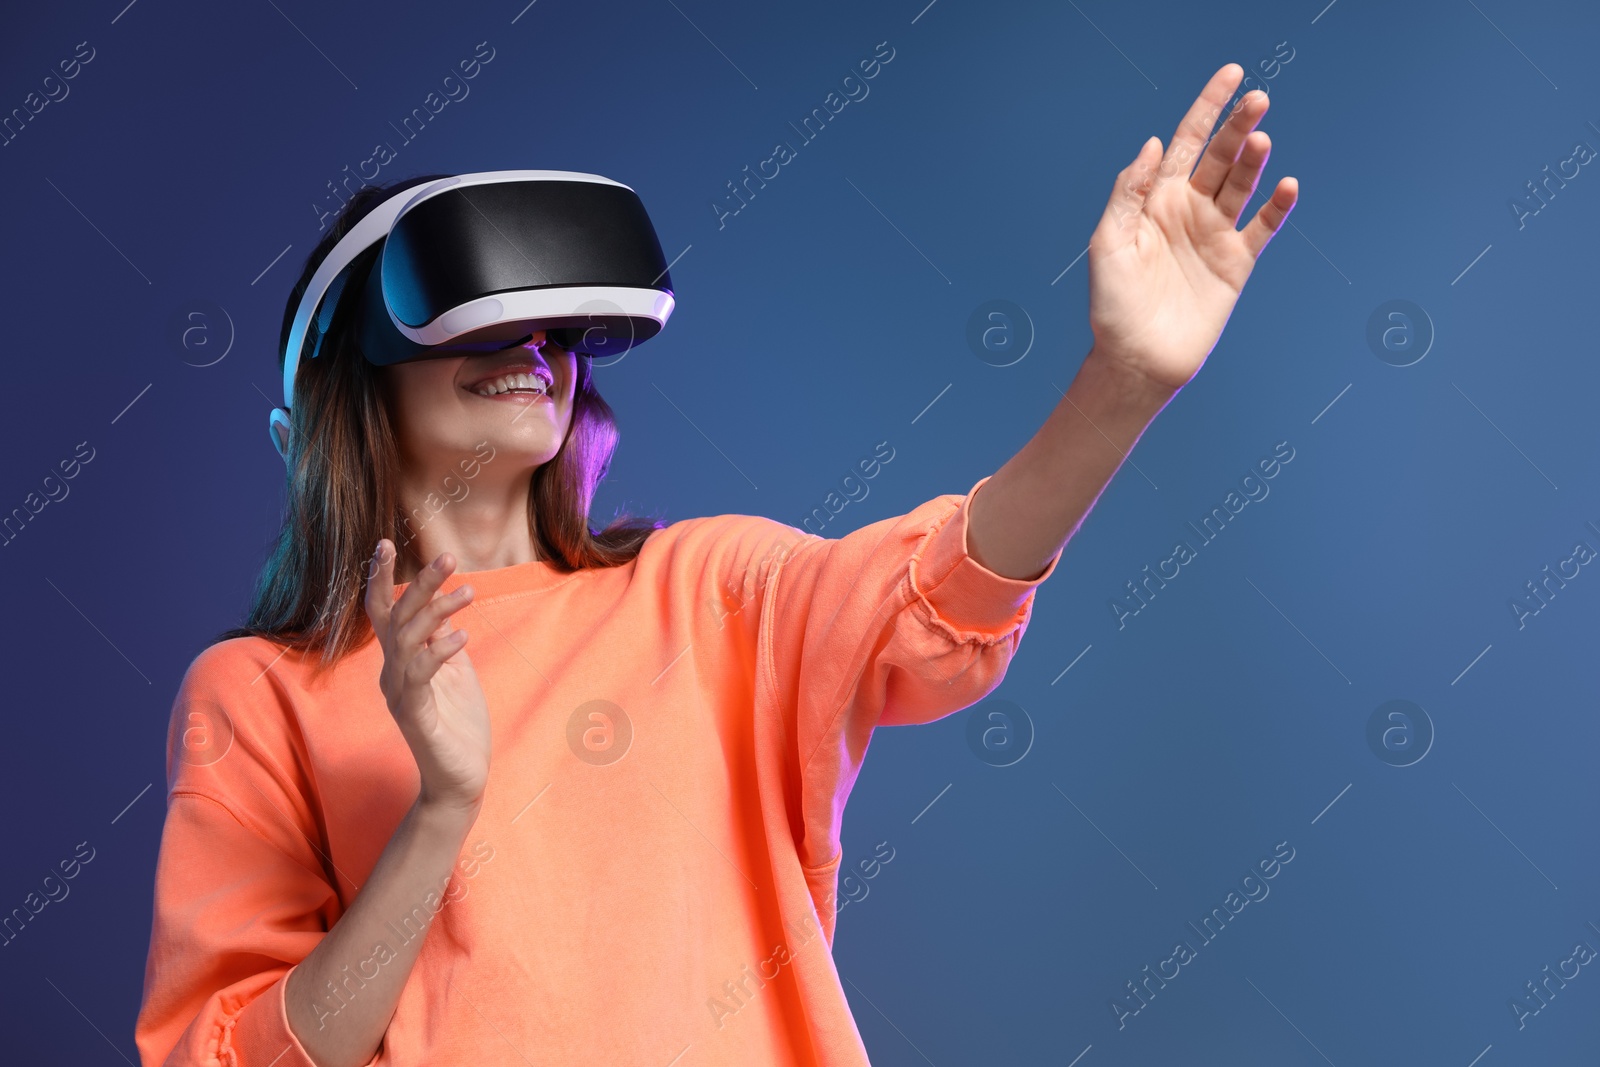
260	1032
961	595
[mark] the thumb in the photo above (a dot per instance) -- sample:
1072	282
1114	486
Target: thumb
1132	188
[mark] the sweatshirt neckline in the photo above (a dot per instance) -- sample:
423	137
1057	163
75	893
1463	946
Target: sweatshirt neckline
526	577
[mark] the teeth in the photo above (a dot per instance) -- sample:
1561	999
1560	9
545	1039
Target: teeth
509	382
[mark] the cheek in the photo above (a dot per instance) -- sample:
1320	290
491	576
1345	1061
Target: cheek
423	399
408	398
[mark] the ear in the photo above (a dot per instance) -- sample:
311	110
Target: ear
278	429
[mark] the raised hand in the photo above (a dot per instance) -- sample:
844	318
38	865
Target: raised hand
1166	262
429	682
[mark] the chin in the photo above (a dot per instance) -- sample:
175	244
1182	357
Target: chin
528	449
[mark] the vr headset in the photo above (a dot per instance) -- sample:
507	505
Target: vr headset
481	262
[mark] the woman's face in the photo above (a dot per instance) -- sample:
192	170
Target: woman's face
442	414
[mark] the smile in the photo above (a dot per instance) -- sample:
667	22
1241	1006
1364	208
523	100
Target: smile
511	384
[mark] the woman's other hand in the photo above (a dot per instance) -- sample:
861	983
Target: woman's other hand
429	681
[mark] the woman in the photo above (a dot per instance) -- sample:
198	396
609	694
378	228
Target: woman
675	713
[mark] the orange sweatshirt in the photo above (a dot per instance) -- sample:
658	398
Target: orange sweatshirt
651	877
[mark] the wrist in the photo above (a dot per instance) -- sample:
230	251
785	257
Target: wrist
1122	381
448	816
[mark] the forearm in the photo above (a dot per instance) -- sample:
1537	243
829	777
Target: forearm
1027	512
336	1007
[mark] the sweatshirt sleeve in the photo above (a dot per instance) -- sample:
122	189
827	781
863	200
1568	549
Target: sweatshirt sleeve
242	892
892	624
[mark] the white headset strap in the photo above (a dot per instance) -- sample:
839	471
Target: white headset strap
372	228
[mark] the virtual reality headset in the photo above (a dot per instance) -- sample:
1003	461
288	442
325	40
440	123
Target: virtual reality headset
481	262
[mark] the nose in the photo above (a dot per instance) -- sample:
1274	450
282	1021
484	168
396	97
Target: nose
563	339
544	343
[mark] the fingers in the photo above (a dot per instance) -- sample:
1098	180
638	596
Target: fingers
432	620
380	586
1271	216
1196	126
1239	184
405	625
1223	152
427	662
421	590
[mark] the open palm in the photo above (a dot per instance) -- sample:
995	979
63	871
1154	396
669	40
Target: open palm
1166	262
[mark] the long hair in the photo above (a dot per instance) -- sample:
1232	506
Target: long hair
343	472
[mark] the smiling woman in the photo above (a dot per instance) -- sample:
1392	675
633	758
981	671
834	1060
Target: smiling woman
377	444
732	739
700	829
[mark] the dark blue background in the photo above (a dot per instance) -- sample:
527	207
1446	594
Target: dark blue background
827	316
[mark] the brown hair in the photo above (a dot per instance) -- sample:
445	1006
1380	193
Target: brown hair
342	476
